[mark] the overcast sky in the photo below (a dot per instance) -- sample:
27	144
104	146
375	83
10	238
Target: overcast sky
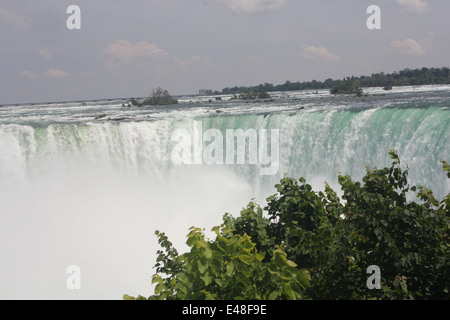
127	48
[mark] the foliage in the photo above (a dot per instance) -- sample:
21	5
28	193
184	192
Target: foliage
254	94
406	77
315	245
347	87
159	97
227	268
135	102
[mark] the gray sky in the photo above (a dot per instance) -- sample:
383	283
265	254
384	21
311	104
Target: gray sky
128	48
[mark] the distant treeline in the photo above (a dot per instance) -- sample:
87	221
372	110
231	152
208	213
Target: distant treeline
407	77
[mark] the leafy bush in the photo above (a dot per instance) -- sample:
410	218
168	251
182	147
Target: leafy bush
347	87
159	97
315	245
227	268
254	94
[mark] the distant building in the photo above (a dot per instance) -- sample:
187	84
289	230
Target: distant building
205	91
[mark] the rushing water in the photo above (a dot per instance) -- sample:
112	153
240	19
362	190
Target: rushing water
87	184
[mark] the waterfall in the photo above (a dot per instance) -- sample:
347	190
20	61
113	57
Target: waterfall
92	193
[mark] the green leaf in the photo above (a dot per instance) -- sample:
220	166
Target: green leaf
207	252
280	260
210	297
157	279
273	271
226	230
230	269
182	288
288	291
219	282
274	295
304	278
291	264
202	267
206	279
216	230
159	288
222	240
245	259
243	279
